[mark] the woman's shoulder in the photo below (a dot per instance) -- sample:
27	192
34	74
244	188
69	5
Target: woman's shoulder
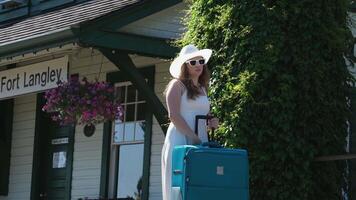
177	85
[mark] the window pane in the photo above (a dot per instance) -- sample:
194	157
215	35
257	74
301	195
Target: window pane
140	130
141	111
130	171
129	131
130	113
131	94
120	94
119	131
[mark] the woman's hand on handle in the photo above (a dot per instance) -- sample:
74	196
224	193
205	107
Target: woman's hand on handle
213	123
195	139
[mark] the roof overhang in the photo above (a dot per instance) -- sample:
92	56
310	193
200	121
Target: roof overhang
99	31
38	43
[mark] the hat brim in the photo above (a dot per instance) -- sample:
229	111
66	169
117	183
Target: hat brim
177	63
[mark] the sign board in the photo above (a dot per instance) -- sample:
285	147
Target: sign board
59	159
33	78
60	141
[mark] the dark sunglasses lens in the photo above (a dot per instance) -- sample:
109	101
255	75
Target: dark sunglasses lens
193	62
202	61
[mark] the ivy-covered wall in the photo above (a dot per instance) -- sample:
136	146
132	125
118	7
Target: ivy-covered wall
279	85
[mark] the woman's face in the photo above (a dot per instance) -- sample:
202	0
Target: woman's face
195	66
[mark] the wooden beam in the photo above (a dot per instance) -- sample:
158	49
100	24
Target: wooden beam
124	63
143	45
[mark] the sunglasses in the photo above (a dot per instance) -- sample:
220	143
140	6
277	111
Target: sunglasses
194	62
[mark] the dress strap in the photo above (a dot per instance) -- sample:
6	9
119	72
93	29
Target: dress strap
203	88
180	83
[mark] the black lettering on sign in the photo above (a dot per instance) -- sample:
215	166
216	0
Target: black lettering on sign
3	81
42	78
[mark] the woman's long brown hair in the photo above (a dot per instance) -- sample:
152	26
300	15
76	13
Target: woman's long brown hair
192	90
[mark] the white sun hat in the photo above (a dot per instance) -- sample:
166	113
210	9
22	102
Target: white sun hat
188	52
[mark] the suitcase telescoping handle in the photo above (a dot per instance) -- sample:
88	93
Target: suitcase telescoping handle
198	117
210	143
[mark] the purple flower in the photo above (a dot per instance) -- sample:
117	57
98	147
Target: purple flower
82	102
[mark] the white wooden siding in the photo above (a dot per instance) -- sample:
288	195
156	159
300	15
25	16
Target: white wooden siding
86	164
164	24
22	148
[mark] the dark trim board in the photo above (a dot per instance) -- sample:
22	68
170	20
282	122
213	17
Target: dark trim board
147	156
35	189
352	139
105	160
7	111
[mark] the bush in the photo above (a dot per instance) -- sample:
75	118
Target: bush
279	86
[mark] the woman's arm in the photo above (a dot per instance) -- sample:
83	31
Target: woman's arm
173	99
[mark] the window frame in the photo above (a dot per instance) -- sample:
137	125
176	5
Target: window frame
125	104
116	147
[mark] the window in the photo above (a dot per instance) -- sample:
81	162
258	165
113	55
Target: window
131	129
128	145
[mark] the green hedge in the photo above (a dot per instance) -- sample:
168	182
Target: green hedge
279	86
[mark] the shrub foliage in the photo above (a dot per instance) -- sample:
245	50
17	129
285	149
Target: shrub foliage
279	85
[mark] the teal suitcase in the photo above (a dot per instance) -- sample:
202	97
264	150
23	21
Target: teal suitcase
204	173
209	172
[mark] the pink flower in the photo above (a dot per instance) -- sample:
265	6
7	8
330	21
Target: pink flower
82	102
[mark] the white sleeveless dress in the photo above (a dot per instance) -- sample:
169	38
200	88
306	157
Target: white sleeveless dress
188	109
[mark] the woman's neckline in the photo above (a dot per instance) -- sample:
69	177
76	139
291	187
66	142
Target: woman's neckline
202	89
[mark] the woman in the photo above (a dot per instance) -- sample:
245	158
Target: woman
186	97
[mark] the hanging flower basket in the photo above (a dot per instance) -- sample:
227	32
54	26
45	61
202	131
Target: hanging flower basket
82	102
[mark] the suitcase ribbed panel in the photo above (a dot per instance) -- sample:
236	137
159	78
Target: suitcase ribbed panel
210	173
217	168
